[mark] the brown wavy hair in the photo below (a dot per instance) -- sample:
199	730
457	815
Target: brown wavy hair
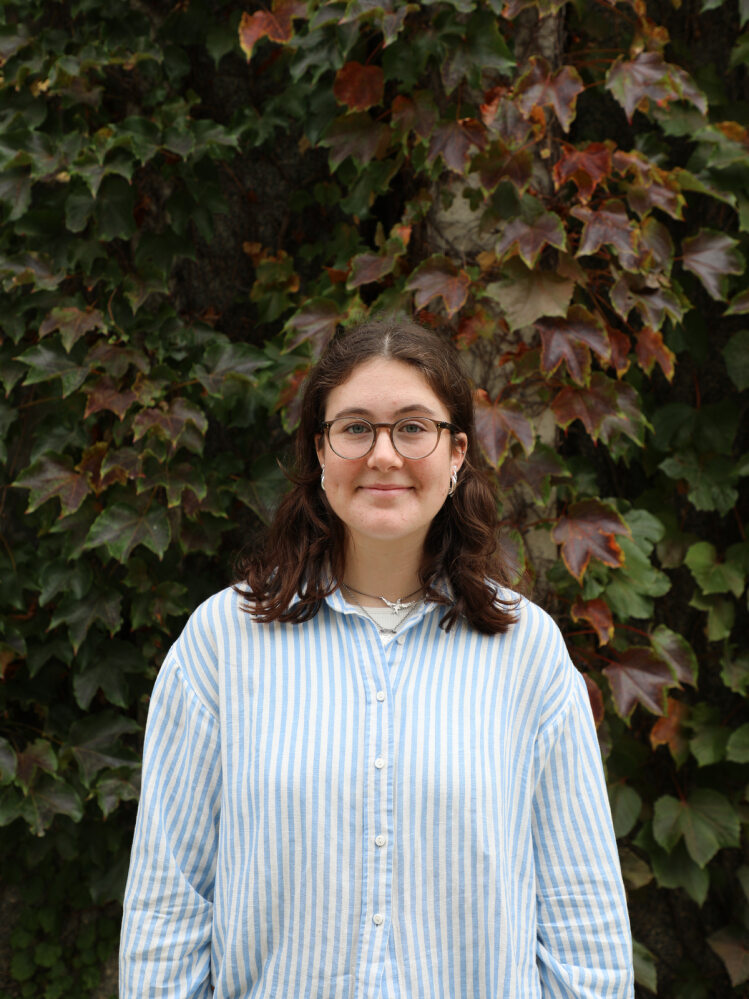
303	556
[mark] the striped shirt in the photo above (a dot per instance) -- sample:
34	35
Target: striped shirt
328	816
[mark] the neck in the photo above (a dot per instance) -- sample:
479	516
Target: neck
382	569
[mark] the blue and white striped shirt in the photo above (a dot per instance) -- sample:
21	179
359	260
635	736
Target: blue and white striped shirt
325	816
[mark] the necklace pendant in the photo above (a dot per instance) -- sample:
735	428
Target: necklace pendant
397	605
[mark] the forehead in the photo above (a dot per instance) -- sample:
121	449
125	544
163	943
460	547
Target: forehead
384	387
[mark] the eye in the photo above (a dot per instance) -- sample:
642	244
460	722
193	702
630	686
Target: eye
412	428
355	429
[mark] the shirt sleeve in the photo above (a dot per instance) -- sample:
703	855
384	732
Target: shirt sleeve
584	945
165	947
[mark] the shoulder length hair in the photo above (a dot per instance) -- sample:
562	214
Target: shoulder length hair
302	560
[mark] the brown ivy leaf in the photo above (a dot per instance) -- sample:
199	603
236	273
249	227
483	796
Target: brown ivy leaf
369	267
439	277
675	650
38	755
651	349
540	87
417	113
605	408
587	530
172	423
654	304
274	24
711	255
528	237
652	186
639	676
103	394
739	304
569	340
536	471
359	87
358	136
620	348
598	614
648	78
500	162
50	476
669	730
453	141
656	248
609	226
114	360
72	323
544	7
526	295
731	944
496	424
316	321
90	464
478	325
596	699
586	168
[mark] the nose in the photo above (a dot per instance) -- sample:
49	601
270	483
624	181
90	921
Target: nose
383	454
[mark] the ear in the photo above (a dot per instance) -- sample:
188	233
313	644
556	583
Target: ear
320	448
459	447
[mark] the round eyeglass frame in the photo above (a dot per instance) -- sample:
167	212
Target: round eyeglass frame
439	424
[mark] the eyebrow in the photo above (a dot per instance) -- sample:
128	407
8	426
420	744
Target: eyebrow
367	413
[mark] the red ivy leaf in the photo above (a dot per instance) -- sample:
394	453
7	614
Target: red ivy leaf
316	321
653	304
104	395
535	471
369	267
72	323
597	613
439	277
608	226
605	407
529	236
453	141
639	676
596	699
414	114
634	83
620	348
651	349
51	476
586	168
731	944
499	162
712	255
739	304
653	187
496	424
358	136
587	531
669	730
569	340
540	87
275	24
359	87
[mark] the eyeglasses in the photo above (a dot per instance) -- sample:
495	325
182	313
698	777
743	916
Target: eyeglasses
414	437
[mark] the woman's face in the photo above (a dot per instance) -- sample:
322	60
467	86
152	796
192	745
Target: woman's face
384	496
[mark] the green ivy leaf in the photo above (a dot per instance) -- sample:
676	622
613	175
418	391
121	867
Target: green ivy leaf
707	820
721	614
644	965
626	804
94	743
677	652
737	747
713	575
51	476
47	361
736	356
8	762
731	944
47	798
121	528
735	671
80	615
526	295
677	870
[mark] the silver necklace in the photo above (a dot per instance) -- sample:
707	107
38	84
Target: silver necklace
409	608
402	603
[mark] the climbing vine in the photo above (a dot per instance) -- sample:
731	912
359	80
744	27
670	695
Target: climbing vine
194	196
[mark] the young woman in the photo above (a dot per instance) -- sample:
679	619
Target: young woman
371	772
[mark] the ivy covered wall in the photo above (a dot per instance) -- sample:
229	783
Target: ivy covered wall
193	196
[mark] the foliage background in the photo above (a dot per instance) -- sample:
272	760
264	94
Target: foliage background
193	196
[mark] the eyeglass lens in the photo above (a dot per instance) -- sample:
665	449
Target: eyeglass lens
412	438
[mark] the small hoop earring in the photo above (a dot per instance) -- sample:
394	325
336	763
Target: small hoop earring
322	479
453	481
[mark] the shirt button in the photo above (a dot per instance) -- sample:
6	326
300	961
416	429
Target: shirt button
378	919
380	840
380	695
379	763
400	639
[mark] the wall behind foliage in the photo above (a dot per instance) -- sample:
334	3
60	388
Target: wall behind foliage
193	197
